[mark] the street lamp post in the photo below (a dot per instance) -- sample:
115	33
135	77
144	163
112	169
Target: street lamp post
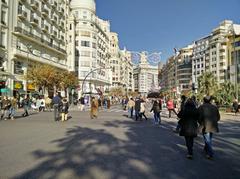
96	69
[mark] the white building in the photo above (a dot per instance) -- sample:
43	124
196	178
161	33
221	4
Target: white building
32	31
145	76
200	57
91	48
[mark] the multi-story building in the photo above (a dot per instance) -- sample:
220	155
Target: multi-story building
115	60
89	36
145	76
233	45
184	69
121	64
199	58
218	51
4	36
35	33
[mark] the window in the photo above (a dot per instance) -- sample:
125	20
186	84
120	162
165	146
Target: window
85	53
85	63
85	43
85	34
18	68
3	17
3	39
94	45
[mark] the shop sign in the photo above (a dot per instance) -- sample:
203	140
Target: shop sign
18	85
30	86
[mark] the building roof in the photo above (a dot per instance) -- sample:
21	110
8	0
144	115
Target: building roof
88	4
236	29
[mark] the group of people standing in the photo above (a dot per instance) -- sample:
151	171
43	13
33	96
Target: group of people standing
8	107
193	120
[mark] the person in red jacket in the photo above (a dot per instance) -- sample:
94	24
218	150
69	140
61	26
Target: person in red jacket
170	107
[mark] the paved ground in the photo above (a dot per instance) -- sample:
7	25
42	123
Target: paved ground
112	146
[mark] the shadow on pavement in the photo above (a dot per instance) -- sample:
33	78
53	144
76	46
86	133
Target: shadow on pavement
144	151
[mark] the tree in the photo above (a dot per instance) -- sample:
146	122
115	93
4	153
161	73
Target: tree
116	91
207	85
226	93
47	76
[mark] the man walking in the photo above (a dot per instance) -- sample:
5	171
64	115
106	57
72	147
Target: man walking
56	103
208	119
137	108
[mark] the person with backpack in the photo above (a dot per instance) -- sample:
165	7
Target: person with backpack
25	104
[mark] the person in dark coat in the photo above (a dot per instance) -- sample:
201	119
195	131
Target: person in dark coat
189	125
208	118
235	106
137	108
183	101
156	108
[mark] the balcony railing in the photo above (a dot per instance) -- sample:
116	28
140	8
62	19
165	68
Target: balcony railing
45	11
34	4
22	14
45	28
34	21
29	34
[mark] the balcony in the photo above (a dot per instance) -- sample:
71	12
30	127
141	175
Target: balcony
45	12
54	33
22	14
22	1
28	35
44	28
34	4
53	4
4	2
54	19
2	46
34	21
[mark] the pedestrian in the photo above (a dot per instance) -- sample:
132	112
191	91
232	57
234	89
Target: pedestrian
137	108
48	102
142	109
108	103
99	103
42	104
64	106
170	107
56	103
208	118
130	106
25	104
6	104
183	101
13	108
156	108
236	106
94	108
189	125
82	103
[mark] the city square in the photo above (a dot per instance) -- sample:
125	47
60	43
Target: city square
101	89
112	146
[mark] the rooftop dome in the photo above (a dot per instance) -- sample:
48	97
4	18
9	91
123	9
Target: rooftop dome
88	4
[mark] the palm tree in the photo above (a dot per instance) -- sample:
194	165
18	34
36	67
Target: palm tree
207	85
226	93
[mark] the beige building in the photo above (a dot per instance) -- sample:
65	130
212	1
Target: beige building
90	45
145	76
184	69
35	31
121	64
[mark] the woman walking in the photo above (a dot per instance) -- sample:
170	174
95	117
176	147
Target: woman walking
156	110
64	109
189	125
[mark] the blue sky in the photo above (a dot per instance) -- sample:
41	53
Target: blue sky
161	25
